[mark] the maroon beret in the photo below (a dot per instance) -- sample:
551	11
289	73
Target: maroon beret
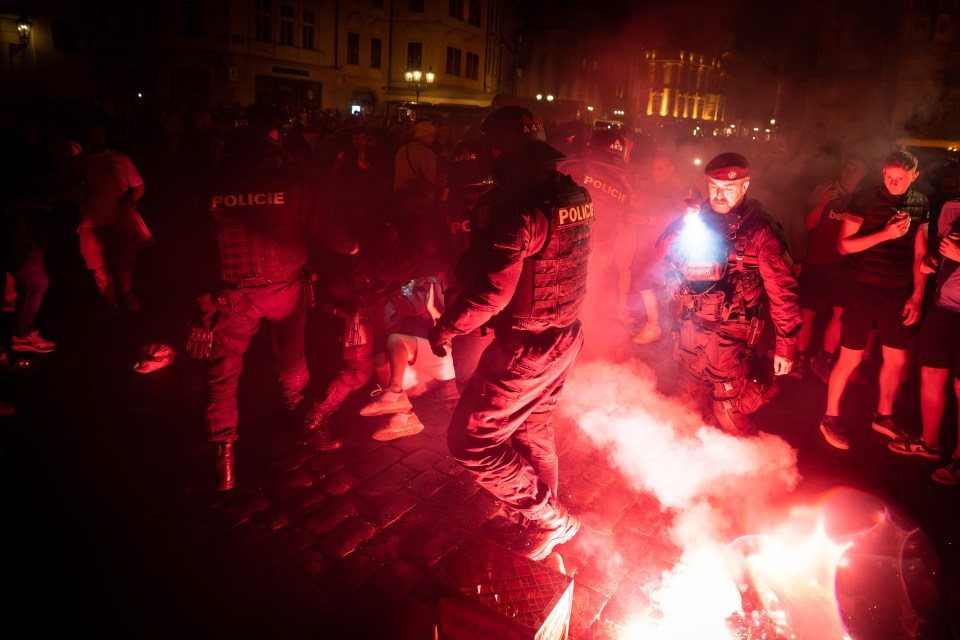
727	166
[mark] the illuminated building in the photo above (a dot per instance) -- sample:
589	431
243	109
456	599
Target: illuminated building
337	54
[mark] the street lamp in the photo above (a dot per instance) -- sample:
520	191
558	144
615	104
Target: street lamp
24	27
419	81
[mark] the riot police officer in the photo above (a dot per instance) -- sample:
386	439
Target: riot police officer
524	273
729	259
602	172
262	212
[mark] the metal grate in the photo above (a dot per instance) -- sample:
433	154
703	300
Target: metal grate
517	588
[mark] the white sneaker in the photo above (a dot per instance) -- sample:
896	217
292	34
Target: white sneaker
647	335
386	402
400	425
33	343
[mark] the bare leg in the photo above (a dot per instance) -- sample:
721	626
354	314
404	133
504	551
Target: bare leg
933	384
651	307
847	361
831	335
401	349
806	329
891	370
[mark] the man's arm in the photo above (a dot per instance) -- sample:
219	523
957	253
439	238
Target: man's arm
781	288
850	242
911	309
821	198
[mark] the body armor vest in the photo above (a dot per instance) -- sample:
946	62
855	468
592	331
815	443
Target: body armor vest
737	291
260	228
553	283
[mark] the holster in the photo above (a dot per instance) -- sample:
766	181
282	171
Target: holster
213	309
355	331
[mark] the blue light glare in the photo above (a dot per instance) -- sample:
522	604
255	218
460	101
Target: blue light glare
696	239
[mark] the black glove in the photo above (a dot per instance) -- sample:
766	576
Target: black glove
436	345
199	343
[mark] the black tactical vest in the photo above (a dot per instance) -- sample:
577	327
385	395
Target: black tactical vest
553	283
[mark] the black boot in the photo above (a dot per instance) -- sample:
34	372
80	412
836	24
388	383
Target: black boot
319	434
225	463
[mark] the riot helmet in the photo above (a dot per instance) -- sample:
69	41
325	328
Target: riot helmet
507	129
470	163
613	143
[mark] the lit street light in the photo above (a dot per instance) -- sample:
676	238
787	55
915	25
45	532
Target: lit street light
419	81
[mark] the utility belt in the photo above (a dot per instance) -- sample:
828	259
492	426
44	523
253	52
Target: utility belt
299	273
753	325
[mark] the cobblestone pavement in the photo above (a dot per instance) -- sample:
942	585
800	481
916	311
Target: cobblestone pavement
113	528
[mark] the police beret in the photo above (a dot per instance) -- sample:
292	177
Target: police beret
727	166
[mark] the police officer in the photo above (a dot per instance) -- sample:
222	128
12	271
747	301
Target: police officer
602	172
729	258
262	211
525	274
470	177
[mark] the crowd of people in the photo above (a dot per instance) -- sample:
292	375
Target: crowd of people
461	260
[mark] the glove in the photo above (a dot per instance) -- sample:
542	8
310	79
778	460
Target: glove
436	345
199	343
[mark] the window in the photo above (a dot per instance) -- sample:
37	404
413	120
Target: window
309	28
473	12
193	17
416	6
473	66
262	21
453	61
353	48
456	9
376	53
286	25
414	55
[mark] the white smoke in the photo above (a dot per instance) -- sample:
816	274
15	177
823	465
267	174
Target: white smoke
712	485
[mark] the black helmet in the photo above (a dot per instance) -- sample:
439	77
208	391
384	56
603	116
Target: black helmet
507	128
262	119
612	142
470	163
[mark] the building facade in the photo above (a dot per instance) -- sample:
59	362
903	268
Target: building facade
326	54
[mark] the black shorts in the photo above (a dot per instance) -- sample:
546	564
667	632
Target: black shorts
817	287
866	306
939	342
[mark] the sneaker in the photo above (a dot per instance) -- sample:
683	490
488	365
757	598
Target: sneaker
320	436
948	473
647	335
821	365
400	425
32	342
386	402
544	535
890	427
914	447
833	433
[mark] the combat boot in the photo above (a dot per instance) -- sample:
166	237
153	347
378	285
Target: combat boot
225	463
319	434
555	528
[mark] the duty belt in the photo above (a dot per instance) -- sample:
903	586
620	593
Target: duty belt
717	325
